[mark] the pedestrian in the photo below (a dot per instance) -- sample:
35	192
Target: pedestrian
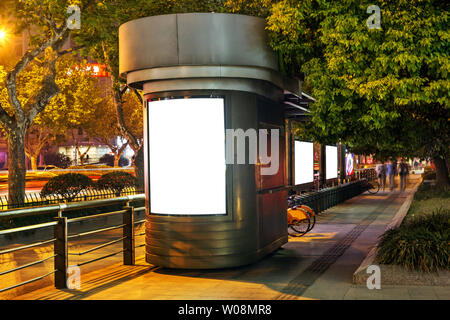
403	172
390	171
381	174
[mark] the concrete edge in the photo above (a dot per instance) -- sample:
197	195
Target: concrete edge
396	275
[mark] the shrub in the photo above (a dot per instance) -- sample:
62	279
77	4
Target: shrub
89	166
421	243
116	181
57	159
429	175
427	169
109	160
67	185
427	191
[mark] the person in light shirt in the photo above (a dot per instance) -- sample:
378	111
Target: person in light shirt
381	174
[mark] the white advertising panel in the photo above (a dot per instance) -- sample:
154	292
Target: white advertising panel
331	154
187	156
304	162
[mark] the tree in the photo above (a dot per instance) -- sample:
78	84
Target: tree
381	91
73	107
107	133
46	24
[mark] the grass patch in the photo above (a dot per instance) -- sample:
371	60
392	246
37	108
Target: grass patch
422	243
428	191
428	199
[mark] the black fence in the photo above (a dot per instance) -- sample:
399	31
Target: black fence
35	200
368	174
329	197
61	237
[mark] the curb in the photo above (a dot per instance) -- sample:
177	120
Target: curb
396	275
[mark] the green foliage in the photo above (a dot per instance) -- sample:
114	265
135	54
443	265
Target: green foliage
108	159
427	191
67	185
57	159
429	176
383	92
117	181
419	244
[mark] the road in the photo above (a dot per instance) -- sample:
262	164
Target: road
30	187
35	184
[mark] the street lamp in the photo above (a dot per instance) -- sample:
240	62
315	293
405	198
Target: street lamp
3	34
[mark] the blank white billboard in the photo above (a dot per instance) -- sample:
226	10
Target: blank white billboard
331	154
304	162
187	156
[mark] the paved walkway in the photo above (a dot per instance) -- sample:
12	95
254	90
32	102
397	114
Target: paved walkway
317	266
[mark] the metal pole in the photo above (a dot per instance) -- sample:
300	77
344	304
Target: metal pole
128	233
61	253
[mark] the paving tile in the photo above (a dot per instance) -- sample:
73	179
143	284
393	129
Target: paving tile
422	293
443	293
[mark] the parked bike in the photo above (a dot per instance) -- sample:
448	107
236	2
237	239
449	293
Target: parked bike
301	218
372	186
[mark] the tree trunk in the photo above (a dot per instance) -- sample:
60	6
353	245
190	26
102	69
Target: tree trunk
139	170
116	159
82	156
442	179
34	160
16	166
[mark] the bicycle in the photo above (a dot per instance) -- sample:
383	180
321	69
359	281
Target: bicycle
372	186
301	219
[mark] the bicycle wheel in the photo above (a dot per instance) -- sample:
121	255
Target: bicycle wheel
301	227
311	215
374	187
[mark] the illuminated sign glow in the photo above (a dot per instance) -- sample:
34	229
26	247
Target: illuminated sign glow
349	164
95	69
304	162
332	162
187	156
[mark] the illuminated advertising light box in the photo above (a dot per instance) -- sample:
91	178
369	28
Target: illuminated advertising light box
187	156
349	168
332	162
304	162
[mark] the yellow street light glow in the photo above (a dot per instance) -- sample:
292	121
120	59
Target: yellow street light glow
2	34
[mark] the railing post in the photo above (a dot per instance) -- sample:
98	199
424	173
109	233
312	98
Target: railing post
128	234
61	252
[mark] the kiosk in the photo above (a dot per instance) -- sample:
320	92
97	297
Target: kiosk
201	74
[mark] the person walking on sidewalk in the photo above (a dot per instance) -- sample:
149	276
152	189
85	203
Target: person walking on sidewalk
390	171
381	174
403	172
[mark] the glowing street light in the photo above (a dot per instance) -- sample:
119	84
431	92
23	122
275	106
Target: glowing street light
3	34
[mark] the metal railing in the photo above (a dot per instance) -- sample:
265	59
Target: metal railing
34	199
368	174
328	197
316	185
61	236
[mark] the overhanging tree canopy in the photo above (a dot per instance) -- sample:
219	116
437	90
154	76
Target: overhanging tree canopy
381	91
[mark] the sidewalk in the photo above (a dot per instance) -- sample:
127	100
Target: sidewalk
317	266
